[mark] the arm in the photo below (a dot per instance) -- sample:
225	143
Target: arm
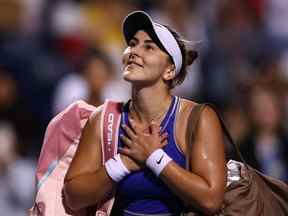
86	181
204	186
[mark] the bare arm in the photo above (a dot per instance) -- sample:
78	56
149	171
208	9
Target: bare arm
86	181
204	186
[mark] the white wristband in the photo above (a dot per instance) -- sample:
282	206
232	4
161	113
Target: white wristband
116	169
157	161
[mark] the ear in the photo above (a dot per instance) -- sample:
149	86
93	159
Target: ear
170	72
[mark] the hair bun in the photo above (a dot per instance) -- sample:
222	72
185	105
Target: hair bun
191	55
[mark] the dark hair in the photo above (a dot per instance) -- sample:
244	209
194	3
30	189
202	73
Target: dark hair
188	57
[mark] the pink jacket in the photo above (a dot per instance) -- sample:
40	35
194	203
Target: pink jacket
59	146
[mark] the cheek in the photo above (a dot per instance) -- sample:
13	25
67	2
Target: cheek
125	55
156	62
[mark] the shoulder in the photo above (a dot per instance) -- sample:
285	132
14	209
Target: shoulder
208	118
96	116
207	113
93	124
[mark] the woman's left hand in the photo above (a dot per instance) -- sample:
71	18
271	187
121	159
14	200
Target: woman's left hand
139	144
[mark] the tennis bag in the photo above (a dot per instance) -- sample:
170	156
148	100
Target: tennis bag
59	146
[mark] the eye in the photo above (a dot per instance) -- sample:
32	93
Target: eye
132	43
149	47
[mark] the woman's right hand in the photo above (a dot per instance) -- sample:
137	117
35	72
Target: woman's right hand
130	164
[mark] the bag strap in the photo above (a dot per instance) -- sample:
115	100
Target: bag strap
193	121
110	121
191	131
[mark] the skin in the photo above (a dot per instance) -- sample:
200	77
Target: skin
148	68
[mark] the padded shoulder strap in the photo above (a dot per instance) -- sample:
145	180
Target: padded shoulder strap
110	122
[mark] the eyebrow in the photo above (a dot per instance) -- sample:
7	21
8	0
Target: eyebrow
145	41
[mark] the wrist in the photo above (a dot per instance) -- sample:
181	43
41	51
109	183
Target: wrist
157	161
124	161
116	169
130	163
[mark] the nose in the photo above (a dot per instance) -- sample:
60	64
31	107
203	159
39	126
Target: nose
135	51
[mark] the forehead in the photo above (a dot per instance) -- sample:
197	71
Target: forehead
142	35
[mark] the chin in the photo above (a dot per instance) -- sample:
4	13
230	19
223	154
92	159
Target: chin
129	78
130	75
126	74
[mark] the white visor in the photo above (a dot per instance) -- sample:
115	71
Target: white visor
140	20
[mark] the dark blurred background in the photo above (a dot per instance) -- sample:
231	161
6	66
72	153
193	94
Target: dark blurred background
53	52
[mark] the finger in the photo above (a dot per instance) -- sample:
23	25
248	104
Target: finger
133	126
164	143
125	151
155	129
129	131
126	141
164	136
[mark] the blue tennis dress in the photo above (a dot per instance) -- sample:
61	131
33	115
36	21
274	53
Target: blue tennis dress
141	193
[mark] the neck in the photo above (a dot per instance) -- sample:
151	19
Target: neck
150	103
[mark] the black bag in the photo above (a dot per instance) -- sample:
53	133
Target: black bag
255	194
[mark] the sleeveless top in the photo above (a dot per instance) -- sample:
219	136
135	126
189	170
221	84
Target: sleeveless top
142	193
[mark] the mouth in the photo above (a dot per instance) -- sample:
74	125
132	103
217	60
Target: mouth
131	63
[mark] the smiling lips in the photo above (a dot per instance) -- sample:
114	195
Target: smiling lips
134	63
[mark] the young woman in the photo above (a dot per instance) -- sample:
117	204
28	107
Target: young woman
149	172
